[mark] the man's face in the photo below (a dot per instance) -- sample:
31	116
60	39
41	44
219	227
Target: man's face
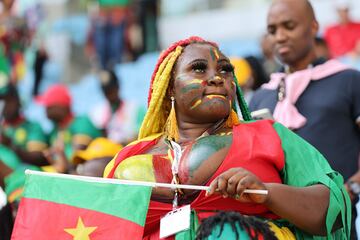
291	31
56	113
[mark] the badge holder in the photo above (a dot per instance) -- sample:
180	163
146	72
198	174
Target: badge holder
179	218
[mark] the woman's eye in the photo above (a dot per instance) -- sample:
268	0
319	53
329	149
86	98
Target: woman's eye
199	67
228	68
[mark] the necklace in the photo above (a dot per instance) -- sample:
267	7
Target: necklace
281	91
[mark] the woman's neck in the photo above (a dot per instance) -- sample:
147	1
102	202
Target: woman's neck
191	131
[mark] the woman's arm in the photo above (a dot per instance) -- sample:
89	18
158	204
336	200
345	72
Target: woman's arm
305	207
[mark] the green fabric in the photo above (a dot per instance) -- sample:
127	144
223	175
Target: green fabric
4	63
16	179
191	233
140	117
305	166
112	3
24	133
4	72
83	125
8	157
79	126
124	201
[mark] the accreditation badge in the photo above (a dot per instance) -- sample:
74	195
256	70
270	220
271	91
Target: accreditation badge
175	221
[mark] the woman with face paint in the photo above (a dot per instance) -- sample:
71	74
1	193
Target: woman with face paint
192	134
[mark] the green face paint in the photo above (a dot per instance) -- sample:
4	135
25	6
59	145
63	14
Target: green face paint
209	103
189	88
192	85
212	54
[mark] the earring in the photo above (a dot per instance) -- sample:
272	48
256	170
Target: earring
232	119
171	128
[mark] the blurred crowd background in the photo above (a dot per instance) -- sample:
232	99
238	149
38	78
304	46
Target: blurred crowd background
96	57
67	42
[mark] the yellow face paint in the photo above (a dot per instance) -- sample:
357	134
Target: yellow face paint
194	81
211	96
216	54
197	103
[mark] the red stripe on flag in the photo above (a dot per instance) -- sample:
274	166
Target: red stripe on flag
39	219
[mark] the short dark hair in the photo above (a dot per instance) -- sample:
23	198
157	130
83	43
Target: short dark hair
252	225
108	80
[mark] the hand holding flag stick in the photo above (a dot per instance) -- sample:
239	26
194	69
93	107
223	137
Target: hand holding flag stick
142	183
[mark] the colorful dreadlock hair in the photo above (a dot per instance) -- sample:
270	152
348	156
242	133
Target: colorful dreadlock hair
158	109
233	225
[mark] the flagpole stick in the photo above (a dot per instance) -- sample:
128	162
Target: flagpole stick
136	183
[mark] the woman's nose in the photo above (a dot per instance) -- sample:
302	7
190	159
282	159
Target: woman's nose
216	81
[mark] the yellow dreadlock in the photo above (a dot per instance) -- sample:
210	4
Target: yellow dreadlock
155	117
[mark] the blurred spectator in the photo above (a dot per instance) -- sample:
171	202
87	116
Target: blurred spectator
147	13
250	75
70	133
25	138
108	32
92	160
341	37
321	48
319	100
118	118
7	222
353	57
269	63
14	37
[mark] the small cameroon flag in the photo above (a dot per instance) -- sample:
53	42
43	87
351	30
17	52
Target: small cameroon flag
57	206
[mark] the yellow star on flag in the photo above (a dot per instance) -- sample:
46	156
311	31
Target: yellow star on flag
80	232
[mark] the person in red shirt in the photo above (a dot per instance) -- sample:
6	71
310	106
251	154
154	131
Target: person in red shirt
342	37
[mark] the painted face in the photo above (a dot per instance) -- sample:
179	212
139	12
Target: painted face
291	31
203	84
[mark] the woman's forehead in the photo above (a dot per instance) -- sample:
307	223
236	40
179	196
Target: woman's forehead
201	50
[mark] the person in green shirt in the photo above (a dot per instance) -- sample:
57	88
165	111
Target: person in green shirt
22	136
70	132
22	143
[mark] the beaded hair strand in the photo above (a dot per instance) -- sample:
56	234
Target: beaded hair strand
245	112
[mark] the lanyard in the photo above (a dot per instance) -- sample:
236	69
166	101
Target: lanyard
177	151
175	170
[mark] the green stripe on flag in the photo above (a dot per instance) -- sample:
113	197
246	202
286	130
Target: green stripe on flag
124	201
111	3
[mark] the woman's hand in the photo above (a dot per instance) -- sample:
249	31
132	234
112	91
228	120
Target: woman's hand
234	181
